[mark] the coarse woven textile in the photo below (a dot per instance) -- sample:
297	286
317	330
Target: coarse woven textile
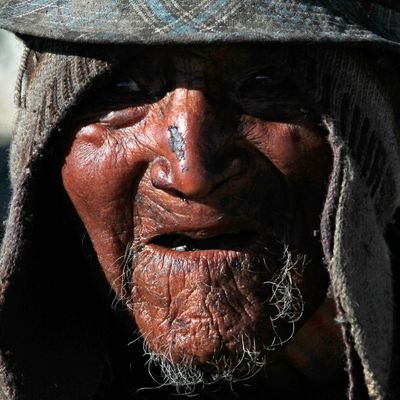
362	198
189	21
363	194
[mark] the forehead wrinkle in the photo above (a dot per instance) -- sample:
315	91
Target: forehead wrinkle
189	63
189	69
195	63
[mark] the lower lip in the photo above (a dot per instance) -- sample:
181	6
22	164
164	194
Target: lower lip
194	254
190	261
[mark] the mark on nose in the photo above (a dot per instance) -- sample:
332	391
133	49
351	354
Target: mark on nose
176	142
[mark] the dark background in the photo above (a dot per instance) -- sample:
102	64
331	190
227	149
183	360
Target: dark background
4	186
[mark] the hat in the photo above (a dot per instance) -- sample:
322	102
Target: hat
191	21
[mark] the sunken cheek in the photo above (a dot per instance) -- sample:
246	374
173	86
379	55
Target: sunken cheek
100	182
300	153
96	169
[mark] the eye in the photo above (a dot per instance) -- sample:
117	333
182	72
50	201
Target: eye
128	86
264	79
271	94
122	91
257	84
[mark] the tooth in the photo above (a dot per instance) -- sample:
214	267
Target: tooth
180	248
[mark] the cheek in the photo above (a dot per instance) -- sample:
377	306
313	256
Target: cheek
100	183
94	171
299	152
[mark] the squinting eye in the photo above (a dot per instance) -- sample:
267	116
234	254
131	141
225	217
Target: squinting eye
128	86
263	78
260	84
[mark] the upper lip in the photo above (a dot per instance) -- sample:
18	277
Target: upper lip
222	234
205	231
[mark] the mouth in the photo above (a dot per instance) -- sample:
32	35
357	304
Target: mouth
228	241
189	287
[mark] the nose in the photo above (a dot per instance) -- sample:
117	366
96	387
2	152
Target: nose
194	156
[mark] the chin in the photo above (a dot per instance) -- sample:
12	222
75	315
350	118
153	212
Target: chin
213	309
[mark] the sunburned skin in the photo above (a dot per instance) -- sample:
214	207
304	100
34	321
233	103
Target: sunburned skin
186	163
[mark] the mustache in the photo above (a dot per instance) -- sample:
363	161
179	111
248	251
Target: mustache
286	301
126	262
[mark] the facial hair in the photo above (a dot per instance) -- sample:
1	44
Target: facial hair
187	377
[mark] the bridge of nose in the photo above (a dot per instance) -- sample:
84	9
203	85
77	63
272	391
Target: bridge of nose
191	138
185	152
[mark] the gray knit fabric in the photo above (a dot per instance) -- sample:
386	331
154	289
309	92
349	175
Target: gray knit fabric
364	192
43	101
49	85
362	196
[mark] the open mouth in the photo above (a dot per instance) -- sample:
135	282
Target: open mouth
230	241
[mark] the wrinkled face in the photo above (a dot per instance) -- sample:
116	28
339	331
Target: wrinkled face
200	179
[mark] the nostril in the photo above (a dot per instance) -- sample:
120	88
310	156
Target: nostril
231	165
160	174
161	178
177	193
235	166
202	176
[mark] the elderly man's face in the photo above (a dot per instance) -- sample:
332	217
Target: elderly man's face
200	179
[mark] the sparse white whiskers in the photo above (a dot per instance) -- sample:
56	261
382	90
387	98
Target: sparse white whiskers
286	296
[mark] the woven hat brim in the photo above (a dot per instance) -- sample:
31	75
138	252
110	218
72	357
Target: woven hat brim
203	21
